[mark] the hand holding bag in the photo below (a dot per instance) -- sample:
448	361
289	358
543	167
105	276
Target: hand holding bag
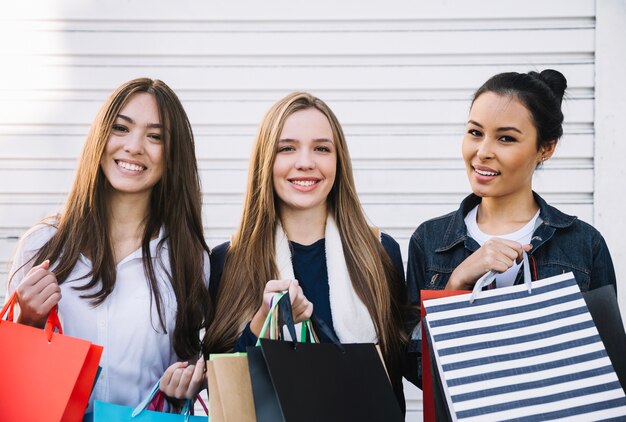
56	369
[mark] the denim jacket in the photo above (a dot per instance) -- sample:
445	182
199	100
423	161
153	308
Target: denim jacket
561	243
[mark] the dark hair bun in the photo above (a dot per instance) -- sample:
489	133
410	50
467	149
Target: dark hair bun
555	80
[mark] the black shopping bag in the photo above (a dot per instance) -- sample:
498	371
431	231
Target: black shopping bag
294	381
602	304
320	381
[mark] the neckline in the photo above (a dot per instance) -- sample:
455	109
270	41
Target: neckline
306	247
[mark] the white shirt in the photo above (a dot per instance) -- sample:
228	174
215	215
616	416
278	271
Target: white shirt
522	236
136	351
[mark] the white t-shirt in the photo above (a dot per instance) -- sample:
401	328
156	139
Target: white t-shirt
523	236
136	351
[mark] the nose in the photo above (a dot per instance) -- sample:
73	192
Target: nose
485	149
134	143
305	160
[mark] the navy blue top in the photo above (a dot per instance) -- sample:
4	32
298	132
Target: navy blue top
309	267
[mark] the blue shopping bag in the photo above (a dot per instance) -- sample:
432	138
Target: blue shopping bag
105	412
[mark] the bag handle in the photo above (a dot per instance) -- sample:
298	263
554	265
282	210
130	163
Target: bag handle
270	321
51	323
186	410
322	327
491	275
8	307
281	314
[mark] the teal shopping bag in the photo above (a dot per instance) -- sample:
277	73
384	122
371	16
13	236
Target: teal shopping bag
106	412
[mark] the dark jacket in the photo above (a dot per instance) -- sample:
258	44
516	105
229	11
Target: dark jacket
561	243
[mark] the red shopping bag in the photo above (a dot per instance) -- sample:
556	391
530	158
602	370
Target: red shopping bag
46	376
427	380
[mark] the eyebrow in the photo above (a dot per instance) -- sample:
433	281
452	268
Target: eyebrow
149	125
500	129
296	140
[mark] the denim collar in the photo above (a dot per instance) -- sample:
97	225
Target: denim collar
456	232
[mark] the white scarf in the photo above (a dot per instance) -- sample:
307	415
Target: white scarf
351	319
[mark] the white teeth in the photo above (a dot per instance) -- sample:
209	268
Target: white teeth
486	173
303	182
129	166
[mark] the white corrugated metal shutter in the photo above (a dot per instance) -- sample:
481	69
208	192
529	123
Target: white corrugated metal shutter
398	74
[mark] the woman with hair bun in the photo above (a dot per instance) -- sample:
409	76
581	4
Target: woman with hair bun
514	124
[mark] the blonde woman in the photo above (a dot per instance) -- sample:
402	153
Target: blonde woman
303	229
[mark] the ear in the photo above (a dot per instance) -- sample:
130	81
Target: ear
546	151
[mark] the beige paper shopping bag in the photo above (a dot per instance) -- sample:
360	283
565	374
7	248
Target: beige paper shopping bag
230	389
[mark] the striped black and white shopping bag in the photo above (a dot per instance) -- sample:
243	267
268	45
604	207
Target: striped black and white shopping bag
519	356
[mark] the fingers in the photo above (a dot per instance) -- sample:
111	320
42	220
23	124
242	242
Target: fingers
271	287
305	314
496	254
199	370
182	380
52	295
275	286
44	265
168	375
38	288
37	294
301	307
500	254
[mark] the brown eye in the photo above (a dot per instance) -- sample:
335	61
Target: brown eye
119	128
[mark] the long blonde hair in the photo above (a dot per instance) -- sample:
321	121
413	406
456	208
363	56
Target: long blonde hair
250	260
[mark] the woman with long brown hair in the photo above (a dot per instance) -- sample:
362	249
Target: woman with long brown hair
303	230
125	261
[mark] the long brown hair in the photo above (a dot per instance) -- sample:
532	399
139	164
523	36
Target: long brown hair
250	261
175	204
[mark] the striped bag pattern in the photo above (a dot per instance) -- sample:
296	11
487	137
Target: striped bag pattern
515	356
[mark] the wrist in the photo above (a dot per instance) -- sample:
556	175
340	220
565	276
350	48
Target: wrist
256	324
455	282
21	319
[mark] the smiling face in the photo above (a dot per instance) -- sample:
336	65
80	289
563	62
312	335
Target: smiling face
132	160
500	147
306	162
